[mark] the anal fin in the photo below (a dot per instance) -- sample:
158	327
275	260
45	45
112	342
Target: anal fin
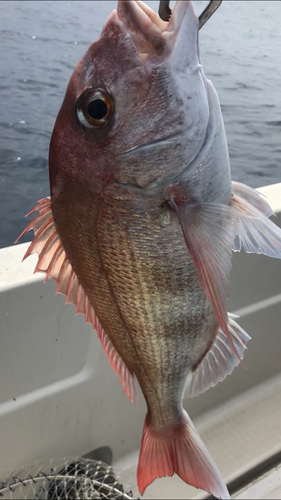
219	361
53	261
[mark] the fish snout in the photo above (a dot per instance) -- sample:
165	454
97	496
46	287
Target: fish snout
155	39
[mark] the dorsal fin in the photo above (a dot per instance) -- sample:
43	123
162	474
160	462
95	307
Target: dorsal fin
53	261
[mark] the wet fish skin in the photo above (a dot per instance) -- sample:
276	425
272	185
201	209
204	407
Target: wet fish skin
125	169
129	249
161	310
124	243
147	108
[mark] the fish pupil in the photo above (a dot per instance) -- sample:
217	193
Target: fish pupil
97	109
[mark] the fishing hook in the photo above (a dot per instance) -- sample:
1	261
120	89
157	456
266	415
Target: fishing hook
165	12
212	6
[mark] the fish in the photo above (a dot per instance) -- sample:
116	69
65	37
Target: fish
141	223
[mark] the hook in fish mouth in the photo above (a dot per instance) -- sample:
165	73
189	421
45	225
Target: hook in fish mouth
155	39
165	12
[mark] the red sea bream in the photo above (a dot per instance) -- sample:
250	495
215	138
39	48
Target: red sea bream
141	223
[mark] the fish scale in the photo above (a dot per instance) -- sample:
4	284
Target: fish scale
143	286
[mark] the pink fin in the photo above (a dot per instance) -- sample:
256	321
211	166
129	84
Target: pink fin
209	237
209	230
53	261
253	197
255	232
219	361
178	449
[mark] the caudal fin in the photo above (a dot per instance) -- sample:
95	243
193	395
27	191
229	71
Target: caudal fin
178	449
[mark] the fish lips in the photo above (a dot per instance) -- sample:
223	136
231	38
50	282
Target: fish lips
158	41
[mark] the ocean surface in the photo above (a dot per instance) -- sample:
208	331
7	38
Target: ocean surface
41	43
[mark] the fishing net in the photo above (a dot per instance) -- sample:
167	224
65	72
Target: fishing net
78	479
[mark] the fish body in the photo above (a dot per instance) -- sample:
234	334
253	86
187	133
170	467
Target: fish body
144	288
142	222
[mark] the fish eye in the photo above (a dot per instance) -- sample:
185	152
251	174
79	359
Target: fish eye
95	108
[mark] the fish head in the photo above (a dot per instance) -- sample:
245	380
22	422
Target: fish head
136	108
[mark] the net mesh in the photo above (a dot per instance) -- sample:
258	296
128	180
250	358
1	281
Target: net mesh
77	479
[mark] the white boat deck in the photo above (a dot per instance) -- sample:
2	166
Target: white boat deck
59	396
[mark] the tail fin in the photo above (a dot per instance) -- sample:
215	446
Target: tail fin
178	449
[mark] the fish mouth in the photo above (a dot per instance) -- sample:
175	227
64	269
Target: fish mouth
155	39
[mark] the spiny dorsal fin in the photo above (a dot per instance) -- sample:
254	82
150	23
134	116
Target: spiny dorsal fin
53	261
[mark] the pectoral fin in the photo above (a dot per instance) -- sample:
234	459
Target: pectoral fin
254	231
209	237
254	197
211	231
